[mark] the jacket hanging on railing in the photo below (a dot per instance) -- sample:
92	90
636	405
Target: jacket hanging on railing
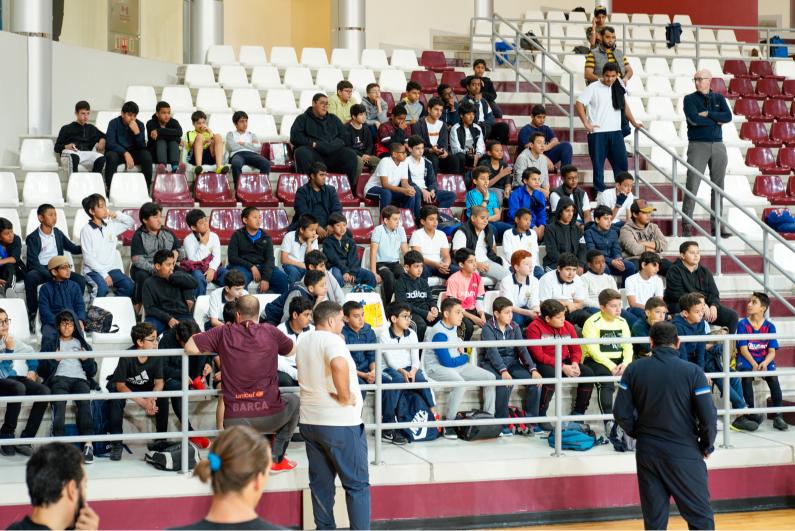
619	103
673	34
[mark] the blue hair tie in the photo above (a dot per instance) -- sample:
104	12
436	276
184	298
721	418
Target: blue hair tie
215	461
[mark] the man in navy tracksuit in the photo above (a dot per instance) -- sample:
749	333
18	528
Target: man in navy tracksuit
665	403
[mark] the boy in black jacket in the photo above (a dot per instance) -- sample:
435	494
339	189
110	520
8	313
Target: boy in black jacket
43	244
360	140
82	141
149	238
343	259
11	266
412	289
251	252
164	138
164	294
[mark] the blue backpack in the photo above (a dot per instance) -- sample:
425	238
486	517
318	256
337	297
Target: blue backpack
413	408
780	50
575	439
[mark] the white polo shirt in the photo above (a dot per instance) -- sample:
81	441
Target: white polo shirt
643	289
387	168
430	247
296	249
550	288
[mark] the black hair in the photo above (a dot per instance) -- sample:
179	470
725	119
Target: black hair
433	102
141	331
349	306
64	316
238	115
82	105
655	302
305	221
148	210
532	170
538	109
551	308
449	303
536	135
567	260
317	96
196	116
602	210
193	216
396	308
371	85
610	67
317	167
234	278
357	109
49	470
315	258
462	255
663	334
5	224
478	171
229	311
313	276
415	140
395	147
763	299
413	85
465	107
299	305
44	208
162	105
246	211
684	246
607	295
412	257
522	212
129	107
593	253
649	257
344	84
623	176
688	300
607	29
479	62
161	255
491	143
399	110
428	210
185	330
91	201
441	88
337	217
500	303
568	168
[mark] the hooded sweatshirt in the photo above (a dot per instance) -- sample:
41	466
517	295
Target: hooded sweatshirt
278	310
540	329
560	238
48	368
680	280
327	132
500	357
84	137
692	352
604	240
414	292
171	131
631	235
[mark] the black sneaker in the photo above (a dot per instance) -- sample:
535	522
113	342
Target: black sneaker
388	435
116	450
88	454
398	438
450	433
24	449
758	418
745	423
297	438
779	423
8	450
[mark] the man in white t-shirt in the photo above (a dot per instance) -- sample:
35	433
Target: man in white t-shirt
331	420
603	123
390	184
644	284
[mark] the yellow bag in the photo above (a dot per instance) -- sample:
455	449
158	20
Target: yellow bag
373	314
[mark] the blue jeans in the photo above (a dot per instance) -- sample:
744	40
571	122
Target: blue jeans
294	273
499	227
161	327
388	197
538	272
608	146
561	153
629	269
445	198
122	284
630	317
398	378
278	282
332	451
200	279
248	158
522	320
362	275
428	271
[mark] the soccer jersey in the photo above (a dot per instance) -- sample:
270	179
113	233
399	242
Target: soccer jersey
756	347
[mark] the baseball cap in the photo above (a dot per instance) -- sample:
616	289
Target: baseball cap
56	262
639	205
600	10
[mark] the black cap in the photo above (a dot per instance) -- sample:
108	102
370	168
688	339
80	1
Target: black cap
600	10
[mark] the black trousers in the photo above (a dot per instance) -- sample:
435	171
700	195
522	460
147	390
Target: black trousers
285	380
776	397
497	131
64	385
21	386
469	327
35	278
582	397
166	151
662	477
141	157
343	160
606	390
389	272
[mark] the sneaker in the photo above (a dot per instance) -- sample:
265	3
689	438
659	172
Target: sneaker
506	432
178	168
779	423
398	438
222	170
449	433
437	418
546	426
745	423
115	451
283	466
758	418
201	442
388	436
198	170
24	449
88	454
8	450
161	168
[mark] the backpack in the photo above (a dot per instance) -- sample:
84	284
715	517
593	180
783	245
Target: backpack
780	50
476	433
411	407
100	320
530	37
621	441
448	224
578	440
170	457
100	415
519	428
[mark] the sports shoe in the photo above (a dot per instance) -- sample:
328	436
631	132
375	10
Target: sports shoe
283	466
222	169
115	450
449	433
779	423
398	438
8	450
387	435
24	449
546	426
201	442
506	432
745	423
88	454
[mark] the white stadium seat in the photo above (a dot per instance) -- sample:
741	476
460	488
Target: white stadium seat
577	16
252	56
726	36
246	99
736	162
360	78
80	221
178	96
659	86
635	105
200	309
683	86
657	66
640	18
38	154
266	77
298	78
42	187
82	185
264	299
344	58
556	15
220	54
263	126
404	59
143	95
211	100
714	66
784	68
8	184
533	14
184	119
662	109
314	57
200	76
233	76
33	222
374	58
280	101
392	80
327	78
283	56
641	34
221	123
103	119
284	127
637	66
12	215
617	18
660	18
123	317
732	138
747	219
305	98
683	20
635	87
18	316
683	66
128	190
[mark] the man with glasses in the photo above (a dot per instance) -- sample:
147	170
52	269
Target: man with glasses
706	112
318	136
138	374
57	295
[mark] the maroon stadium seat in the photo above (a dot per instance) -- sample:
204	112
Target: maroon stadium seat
254	189
275	223
762	157
288	185
513	132
171	189
360	184
783	133
750	109
719	85
788	87
427	79
453	183
769	186
175	220
786	157
225	221
212	189
769	210
390	101
737	68
360	223
777	109
769	87
343	185
434	60
763	68
126	236
268	150
555	181
453	78
757	133
791	189
745	88
407	221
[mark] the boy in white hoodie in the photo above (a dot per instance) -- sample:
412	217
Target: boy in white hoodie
98	241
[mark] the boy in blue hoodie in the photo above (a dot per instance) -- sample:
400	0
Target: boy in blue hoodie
531	197
603	236
57	295
690	323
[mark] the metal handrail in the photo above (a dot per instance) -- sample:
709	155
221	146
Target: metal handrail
379	387
717	215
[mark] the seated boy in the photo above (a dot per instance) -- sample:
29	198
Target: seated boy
296	244
412	289
655	311
251	252
530	196
204	146
415	110
340	104
299	323
759	355
164	139
125	143
521	288
477	234
555	150
360	139
564	285
533	157
433	245
481	195
690	322
508	363
342	255
311	288
644	284
451	364
41	244
467	145
316	260
466	285
167	297
139	374
393	131
203	252
602	236
571	189
435	136
387	244
610	359
357	332
81	141
234	288
389	184
375	106
500	173
618	199
11	265
422	177
55	296
244	148
522	238
149	238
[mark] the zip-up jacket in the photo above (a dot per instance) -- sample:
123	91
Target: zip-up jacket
458	139
33	245
320	203
540	329
47	368
631	235
145	244
421	129
500	357
84	137
7	359
694	352
605	241
121	139
414	292
483	112
327	132
680	280
57	296
365	336
164	299
171	131
99	243
706	128
487	89
534	201
342	254
247	252
387	135
578	199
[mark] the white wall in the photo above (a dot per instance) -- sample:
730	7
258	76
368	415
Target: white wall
777	9
13	94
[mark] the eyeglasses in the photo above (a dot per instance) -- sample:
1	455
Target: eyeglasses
67	323
5	322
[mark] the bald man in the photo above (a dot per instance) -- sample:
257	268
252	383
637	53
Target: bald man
705	112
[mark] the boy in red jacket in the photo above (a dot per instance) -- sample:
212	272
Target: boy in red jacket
553	324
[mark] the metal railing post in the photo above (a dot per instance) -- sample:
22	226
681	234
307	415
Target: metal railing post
558	399
635	163
674	197
493	51
184	413
549	43
379	417
717	229
624	40
571	109
698	48
543	76
726	393
765	267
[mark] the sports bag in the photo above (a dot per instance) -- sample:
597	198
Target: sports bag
476	433
170	457
577	440
412	407
519	428
621	441
100	320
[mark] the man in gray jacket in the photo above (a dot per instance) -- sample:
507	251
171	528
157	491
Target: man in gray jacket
244	148
640	235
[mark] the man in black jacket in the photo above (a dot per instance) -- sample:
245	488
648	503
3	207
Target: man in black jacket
42	244
164	137
317	199
251	252
318	136
164	294
665	403
688	276
82	141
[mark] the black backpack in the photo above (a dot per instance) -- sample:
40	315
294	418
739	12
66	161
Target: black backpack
100	320
476	433
168	456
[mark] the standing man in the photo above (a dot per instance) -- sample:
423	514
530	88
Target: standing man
705	112
665	403
605	104
606	52
331	420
